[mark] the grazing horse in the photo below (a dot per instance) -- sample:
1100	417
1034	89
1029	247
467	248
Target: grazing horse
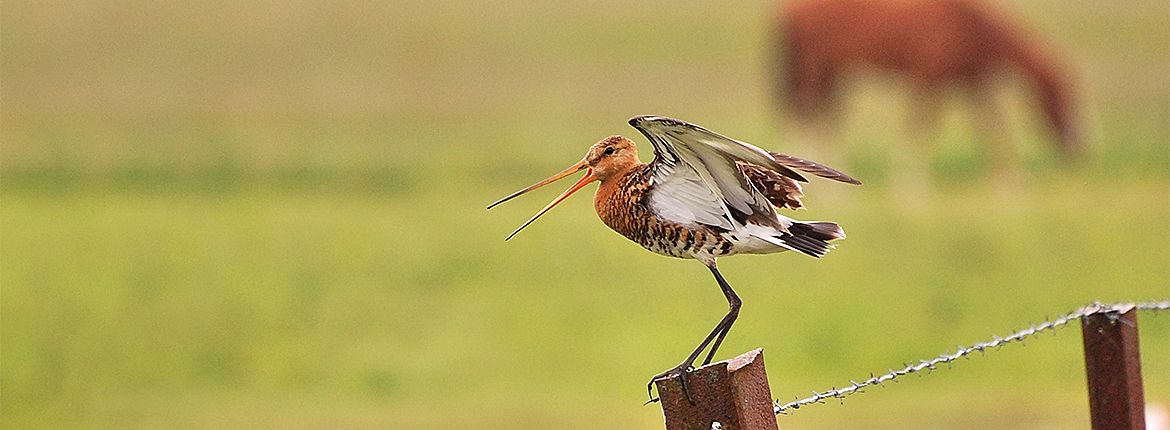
934	45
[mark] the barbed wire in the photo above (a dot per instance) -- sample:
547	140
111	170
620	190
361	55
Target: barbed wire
1113	310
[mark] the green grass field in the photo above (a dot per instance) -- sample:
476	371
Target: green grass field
271	215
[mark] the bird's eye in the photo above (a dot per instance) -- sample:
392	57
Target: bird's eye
609	150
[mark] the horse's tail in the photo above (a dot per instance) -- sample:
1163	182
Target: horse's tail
1047	78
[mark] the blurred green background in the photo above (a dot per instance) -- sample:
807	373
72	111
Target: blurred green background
270	215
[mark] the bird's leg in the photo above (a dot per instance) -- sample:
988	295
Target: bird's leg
733	303
684	367
720	331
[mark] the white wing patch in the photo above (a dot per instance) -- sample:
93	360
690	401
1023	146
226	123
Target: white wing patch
679	195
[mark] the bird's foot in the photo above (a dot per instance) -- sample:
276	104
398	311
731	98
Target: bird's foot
680	371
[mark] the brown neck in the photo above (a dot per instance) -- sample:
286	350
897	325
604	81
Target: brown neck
618	192
614	182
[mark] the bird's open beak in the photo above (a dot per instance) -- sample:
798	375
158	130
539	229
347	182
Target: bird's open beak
577	186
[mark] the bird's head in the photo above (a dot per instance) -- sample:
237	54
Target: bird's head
605	160
610	157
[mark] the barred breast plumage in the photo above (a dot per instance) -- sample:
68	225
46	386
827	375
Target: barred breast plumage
623	205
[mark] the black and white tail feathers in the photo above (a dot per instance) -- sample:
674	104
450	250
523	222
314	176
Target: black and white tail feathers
812	238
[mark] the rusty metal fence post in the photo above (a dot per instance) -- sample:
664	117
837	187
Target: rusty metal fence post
1113	366
733	393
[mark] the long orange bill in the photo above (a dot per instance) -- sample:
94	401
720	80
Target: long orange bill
577	186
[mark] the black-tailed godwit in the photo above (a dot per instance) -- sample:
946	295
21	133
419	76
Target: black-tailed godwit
704	196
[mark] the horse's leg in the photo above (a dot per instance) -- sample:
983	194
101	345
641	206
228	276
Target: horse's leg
911	169
994	132
820	138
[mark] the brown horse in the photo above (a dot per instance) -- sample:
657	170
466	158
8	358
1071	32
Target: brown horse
934	44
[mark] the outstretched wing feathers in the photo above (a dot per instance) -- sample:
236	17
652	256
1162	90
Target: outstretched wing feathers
814	168
704	177
656	128
719	170
690	158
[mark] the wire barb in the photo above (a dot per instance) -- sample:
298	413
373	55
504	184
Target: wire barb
1111	310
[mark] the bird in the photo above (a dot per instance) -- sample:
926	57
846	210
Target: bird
702	197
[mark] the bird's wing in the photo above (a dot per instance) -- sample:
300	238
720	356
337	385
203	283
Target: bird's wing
679	194
813	167
697	175
782	191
